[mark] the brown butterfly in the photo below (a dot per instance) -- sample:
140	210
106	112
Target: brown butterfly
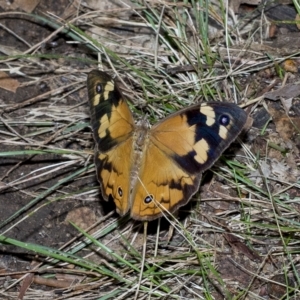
147	171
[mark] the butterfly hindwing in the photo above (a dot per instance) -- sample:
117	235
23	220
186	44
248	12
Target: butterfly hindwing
161	182
113	128
180	148
113	170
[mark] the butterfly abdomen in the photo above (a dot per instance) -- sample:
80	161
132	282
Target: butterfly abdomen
140	144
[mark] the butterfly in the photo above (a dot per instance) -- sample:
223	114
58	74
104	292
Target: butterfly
151	170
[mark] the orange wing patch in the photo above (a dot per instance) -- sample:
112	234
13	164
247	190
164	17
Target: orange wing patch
161	185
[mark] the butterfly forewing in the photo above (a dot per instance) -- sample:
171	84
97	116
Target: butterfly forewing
180	149
113	128
112	120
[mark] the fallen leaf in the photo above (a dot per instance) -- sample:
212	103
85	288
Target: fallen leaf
8	83
235	4
83	217
27	6
290	65
287	126
241	247
288	91
278	285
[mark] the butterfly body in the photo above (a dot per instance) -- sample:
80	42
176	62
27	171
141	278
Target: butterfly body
148	170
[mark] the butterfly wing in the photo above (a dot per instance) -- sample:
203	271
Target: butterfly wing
180	148
113	128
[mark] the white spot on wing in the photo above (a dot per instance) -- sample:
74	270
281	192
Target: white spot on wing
223	132
103	126
201	148
209	112
96	100
108	88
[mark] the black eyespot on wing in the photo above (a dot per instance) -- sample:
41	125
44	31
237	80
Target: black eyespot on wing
99	88
120	191
148	199
224	120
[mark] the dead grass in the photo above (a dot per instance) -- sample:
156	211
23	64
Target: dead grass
241	241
